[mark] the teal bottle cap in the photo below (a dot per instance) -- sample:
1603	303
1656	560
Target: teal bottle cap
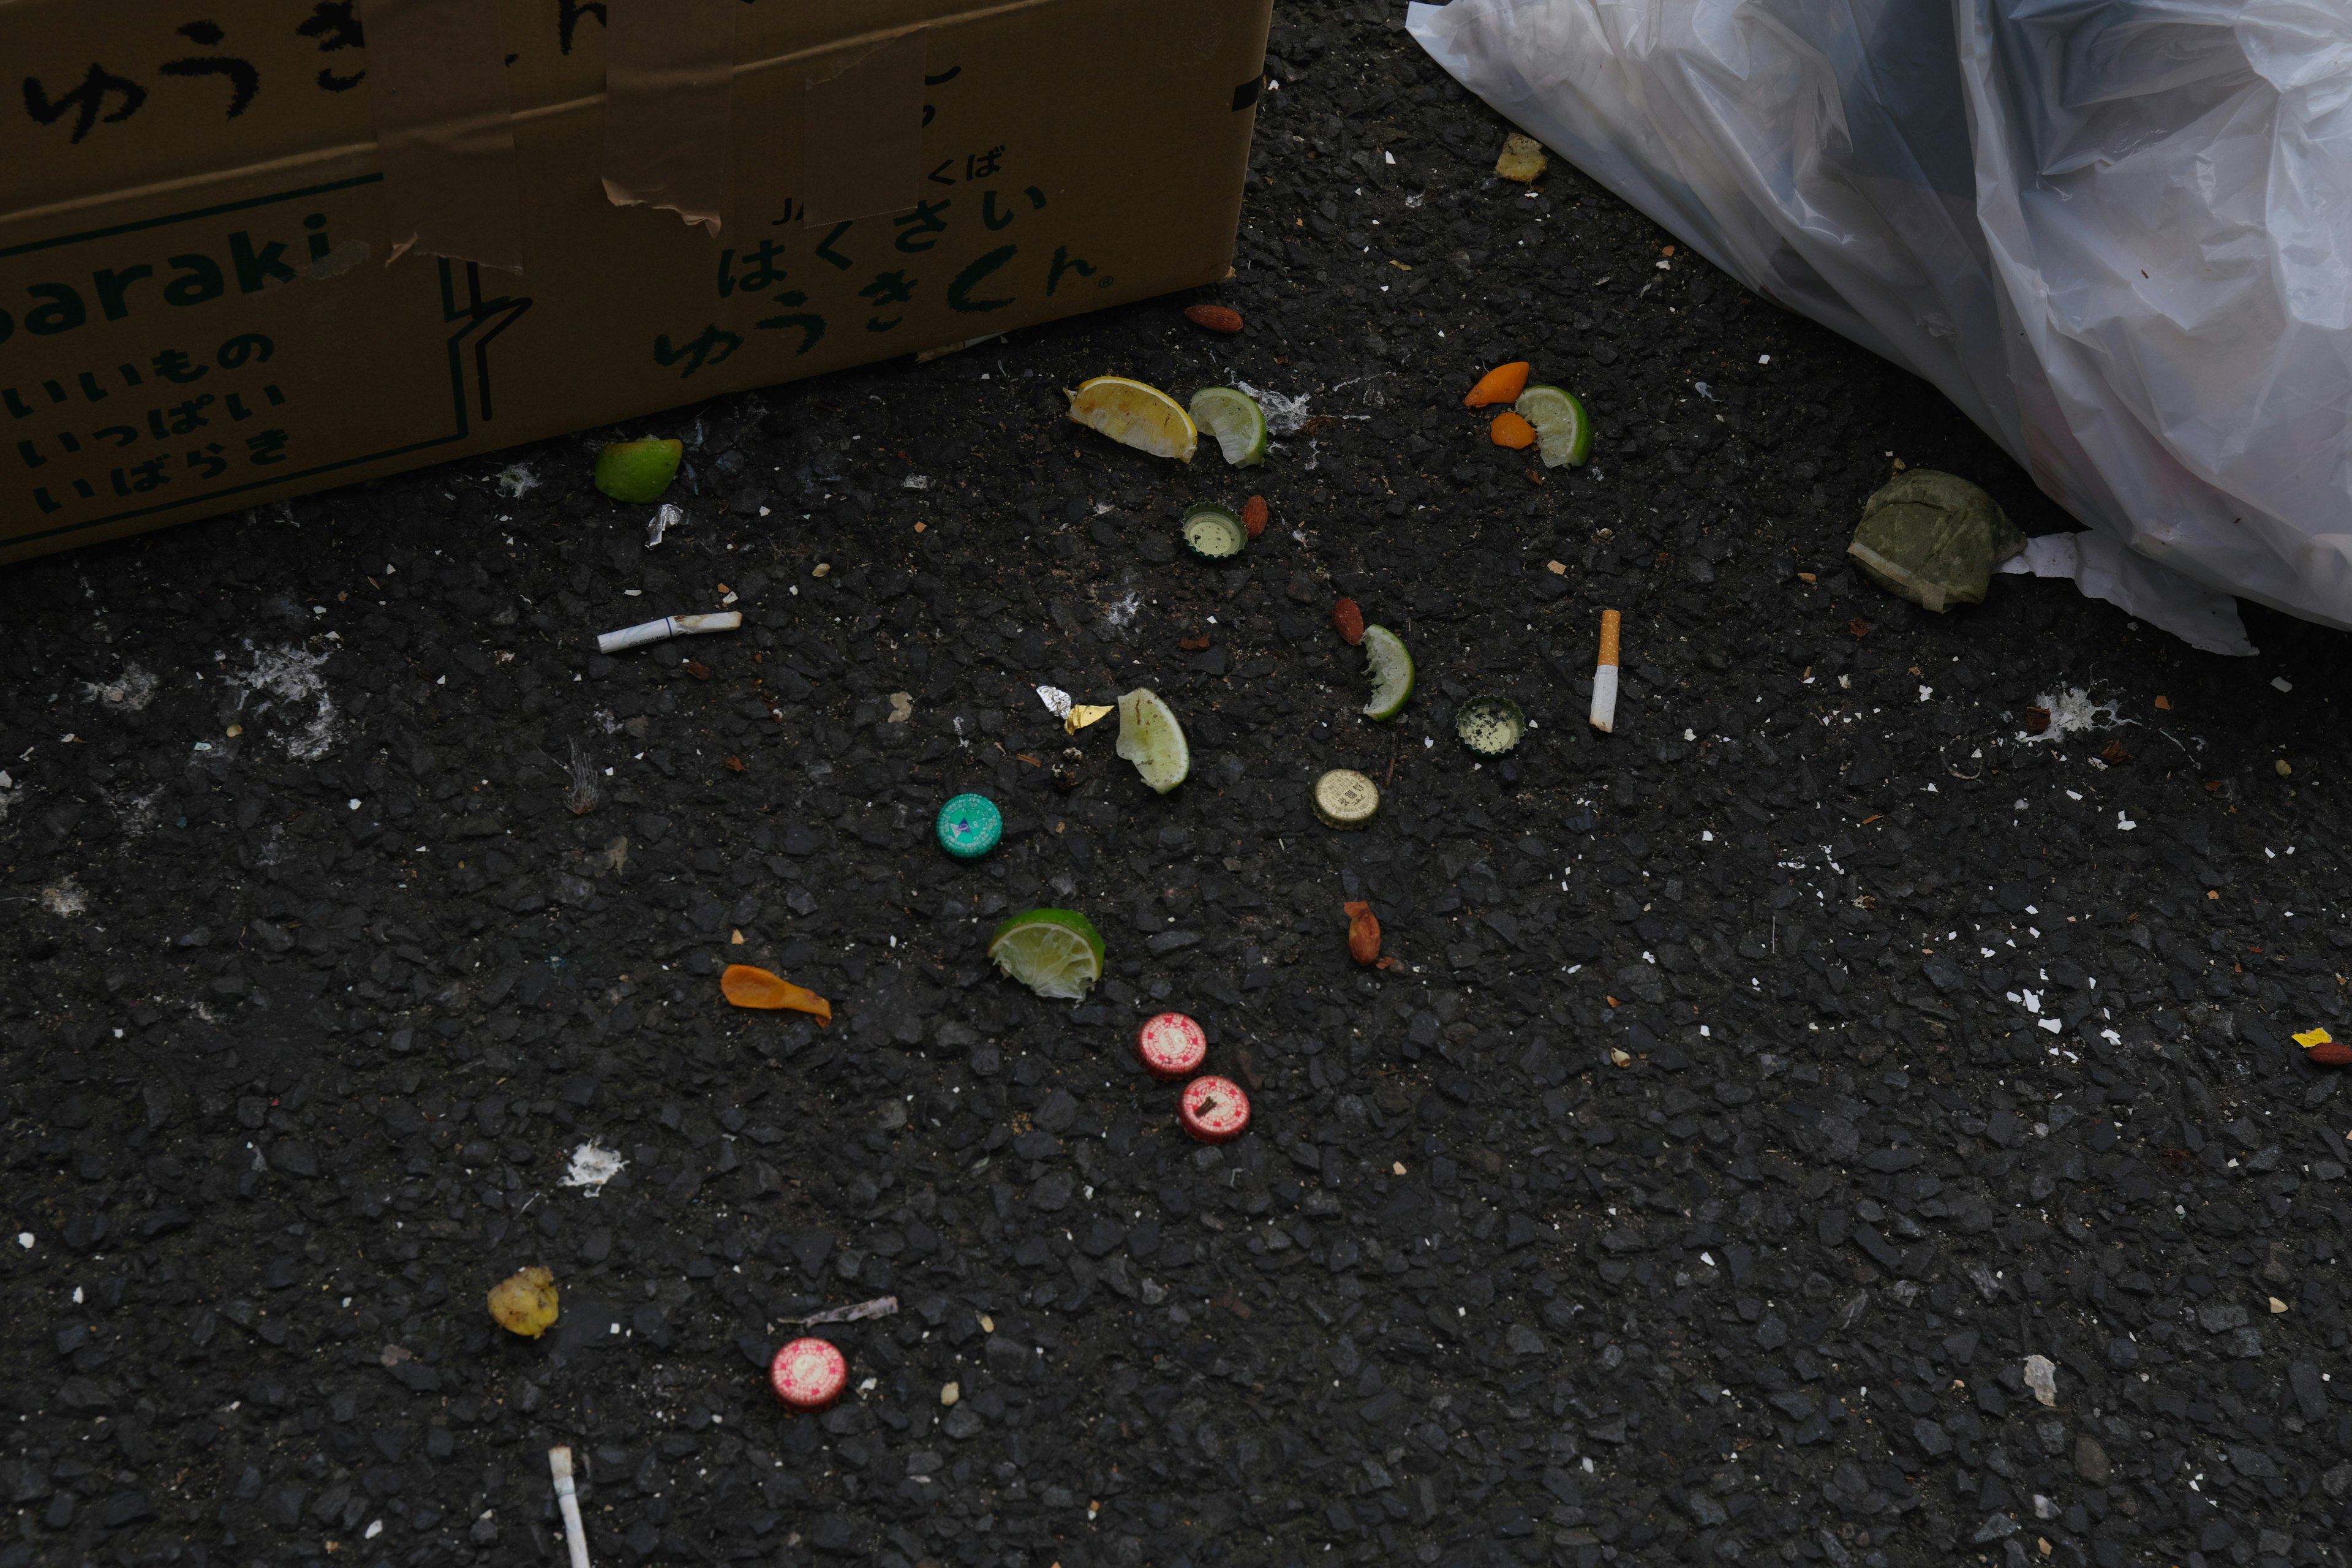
969	827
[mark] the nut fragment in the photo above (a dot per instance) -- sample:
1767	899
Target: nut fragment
1216	318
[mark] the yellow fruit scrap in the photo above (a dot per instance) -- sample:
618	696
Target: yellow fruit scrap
524	1303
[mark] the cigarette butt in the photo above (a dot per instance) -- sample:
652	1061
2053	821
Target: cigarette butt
668	627
559	1464
1604	675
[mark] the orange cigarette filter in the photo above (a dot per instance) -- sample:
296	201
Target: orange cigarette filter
1609	622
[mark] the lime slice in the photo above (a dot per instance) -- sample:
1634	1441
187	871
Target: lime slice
1563	430
1392	671
637	470
1150	737
1236	420
1054	953
1213	534
1137	416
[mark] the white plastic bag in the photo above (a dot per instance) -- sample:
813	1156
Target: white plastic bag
2117	235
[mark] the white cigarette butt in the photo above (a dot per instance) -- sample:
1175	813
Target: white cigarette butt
559	1464
668	627
1604	675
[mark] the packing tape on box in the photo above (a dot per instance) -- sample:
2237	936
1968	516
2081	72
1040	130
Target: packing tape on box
669	85
863	148
436	82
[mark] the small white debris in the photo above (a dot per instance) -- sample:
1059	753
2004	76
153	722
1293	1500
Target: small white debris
64	899
1056	700
667	518
2124	824
1284	416
128	692
1926	694
25	1239
2281	683
286	678
916	482
514	481
2042	1376
2070	711
592	1166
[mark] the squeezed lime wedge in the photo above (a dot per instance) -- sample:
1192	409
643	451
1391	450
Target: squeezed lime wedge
1234	418
1563	430
1151	738
637	470
1057	954
1392	670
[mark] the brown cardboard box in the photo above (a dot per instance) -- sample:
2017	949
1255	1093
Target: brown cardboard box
199	309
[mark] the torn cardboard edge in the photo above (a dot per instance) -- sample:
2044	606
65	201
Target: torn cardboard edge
444	129
669	93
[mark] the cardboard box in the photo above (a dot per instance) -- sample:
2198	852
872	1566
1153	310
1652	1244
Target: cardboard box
205	302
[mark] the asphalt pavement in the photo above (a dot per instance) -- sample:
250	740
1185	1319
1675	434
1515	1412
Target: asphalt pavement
1766	1096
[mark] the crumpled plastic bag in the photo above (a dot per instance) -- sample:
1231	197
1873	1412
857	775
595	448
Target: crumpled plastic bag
2117	236
2104	569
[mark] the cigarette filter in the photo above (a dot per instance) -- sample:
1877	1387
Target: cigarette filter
1604	676
668	627
559	1464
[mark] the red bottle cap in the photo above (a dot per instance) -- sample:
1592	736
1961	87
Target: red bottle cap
1214	1109
808	1374
1170	1046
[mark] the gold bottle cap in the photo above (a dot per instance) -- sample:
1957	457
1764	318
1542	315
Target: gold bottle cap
1345	799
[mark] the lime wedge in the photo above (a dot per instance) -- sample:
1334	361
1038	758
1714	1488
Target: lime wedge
1137	416
637	470
1392	672
1213	534
1236	420
1563	430
1150	737
1054	953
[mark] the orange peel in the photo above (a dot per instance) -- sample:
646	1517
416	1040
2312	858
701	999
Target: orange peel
1501	385
1510	430
749	987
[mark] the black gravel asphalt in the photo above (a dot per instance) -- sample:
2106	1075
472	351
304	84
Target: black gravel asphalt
1760	1090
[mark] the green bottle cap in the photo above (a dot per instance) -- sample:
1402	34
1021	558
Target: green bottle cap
1490	725
1213	533
969	827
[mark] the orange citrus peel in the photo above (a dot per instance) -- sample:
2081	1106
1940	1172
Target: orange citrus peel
1510	430
747	987
1501	385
